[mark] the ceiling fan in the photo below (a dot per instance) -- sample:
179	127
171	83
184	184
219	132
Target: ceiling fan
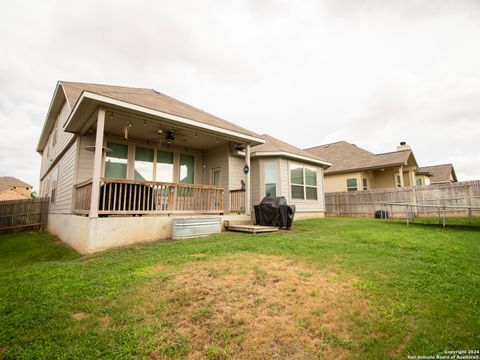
166	138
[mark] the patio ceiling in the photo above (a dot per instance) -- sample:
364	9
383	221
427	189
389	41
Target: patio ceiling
147	129
83	118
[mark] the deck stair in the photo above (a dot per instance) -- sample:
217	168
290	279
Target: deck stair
248	227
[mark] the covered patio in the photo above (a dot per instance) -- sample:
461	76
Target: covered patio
134	160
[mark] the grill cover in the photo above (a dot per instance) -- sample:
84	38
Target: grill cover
274	211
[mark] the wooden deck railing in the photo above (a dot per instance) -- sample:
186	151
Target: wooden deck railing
82	197
237	200
129	197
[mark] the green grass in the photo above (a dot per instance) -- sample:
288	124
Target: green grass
421	282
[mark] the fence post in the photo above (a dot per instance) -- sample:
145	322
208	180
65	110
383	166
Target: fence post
467	197
337	202
372	200
415	201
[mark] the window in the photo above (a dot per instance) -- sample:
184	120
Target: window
419	181
303	181
352	185
186	169
216	176
270	178
143	164
53	184
398	180
365	184
164	166
54	134
116	161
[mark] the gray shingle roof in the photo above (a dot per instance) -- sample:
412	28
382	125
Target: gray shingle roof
347	157
440	173
274	145
151	99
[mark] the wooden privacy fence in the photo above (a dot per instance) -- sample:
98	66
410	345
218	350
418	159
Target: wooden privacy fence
365	203
23	215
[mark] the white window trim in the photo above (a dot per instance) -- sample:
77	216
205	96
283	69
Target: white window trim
351	187
276	176
303	166
365	184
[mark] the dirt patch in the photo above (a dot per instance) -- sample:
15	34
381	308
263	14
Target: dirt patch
3	351
256	306
79	315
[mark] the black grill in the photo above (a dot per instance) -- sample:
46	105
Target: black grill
274	211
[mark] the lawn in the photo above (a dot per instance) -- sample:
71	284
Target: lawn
330	288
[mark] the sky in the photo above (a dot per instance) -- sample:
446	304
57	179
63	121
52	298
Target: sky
370	72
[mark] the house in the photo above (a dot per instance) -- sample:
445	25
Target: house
281	169
437	174
119	163
14	189
354	168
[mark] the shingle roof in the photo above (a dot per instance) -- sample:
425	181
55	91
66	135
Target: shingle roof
7	182
152	99
440	173
349	157
274	145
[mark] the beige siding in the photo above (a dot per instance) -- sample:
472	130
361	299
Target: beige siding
50	153
66	175
217	158
370	180
10	194
256	196
338	182
214	158
85	159
235	172
384	179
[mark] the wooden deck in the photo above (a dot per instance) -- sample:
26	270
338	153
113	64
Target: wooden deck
248	228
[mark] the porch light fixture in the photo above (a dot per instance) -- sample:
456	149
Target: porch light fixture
127	126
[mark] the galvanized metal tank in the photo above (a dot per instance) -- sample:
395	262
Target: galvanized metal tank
184	228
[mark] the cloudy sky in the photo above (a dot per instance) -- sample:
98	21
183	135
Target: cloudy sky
371	72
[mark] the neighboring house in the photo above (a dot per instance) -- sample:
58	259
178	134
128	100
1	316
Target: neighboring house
437	174
354	168
13	189
112	155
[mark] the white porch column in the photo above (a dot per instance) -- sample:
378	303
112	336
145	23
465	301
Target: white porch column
248	195
400	172
97	164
